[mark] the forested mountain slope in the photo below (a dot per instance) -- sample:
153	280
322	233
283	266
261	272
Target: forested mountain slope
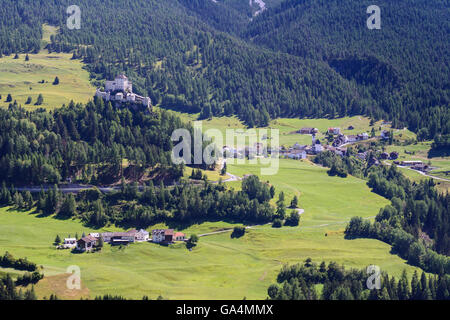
404	66
297	58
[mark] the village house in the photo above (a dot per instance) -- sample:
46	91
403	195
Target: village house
411	163
162	236
352	138
334	130
363	136
142	235
421	167
339	151
298	146
340	140
179	236
119	237
297	154
70	243
87	243
308	131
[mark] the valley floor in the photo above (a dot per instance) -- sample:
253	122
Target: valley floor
220	267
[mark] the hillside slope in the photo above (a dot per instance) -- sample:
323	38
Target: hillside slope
297	58
404	66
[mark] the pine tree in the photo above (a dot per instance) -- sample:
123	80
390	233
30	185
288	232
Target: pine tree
57	240
403	291
415	287
224	169
281	207
40	100
100	242
294	202
68	208
30	294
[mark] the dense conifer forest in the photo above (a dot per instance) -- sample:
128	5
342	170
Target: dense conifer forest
86	143
299	58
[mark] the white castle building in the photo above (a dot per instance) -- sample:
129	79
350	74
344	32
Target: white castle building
121	90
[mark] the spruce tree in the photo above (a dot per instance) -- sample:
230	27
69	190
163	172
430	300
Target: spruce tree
40	100
57	240
294	202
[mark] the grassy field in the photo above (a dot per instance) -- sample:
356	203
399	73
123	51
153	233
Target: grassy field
213	176
21	78
326	200
220	267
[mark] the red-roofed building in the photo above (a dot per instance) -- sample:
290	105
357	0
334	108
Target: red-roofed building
334	130
179	236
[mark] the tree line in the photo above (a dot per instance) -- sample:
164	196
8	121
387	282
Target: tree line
184	203
298	282
9	290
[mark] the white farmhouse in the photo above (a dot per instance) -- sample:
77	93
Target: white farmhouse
142	235
70	243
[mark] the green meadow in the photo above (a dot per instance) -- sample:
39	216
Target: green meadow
22	79
220	267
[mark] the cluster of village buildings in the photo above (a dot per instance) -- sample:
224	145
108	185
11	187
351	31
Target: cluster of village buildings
91	241
298	151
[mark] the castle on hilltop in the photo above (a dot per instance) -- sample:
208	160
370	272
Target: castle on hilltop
120	90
